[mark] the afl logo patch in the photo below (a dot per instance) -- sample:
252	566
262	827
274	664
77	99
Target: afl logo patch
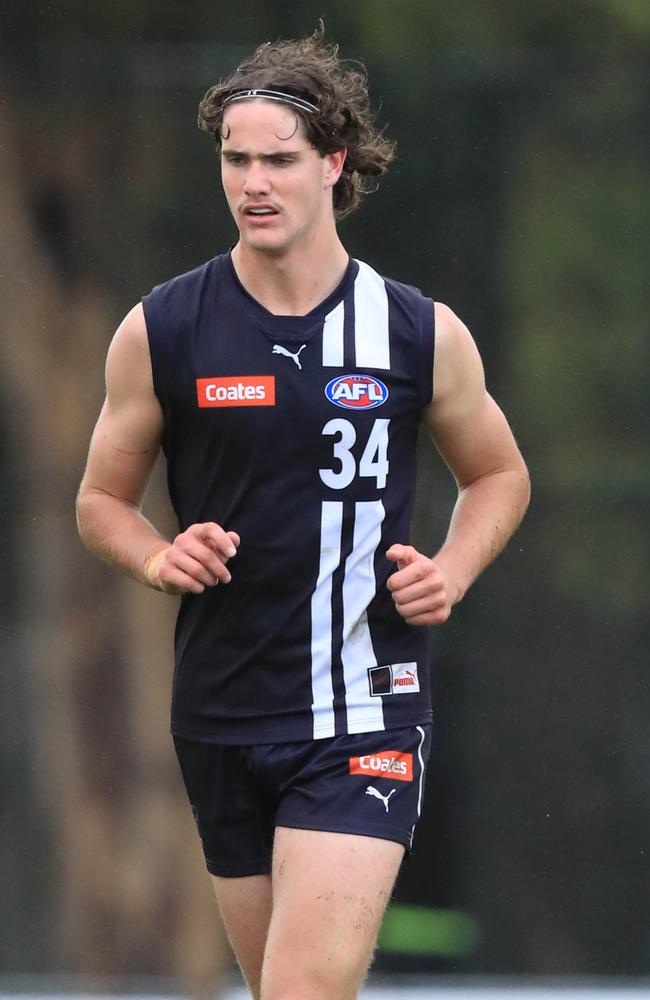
356	392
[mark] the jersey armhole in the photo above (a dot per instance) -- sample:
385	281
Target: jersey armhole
427	331
152	319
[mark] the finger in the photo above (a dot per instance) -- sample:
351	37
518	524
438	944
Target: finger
421	569
430	618
420	590
208	533
207	557
174	581
424	612
404	578
403	555
186	563
219	540
420	607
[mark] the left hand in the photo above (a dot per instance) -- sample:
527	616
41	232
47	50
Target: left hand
419	588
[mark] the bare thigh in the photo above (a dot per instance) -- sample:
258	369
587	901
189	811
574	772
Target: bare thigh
245	905
330	891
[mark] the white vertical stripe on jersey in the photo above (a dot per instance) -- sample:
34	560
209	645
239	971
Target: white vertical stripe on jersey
321	620
333	337
371	340
364	713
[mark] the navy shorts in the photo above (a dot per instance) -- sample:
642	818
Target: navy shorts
369	784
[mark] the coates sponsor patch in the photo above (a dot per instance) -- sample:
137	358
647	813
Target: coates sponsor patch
356	392
397	678
391	764
236	390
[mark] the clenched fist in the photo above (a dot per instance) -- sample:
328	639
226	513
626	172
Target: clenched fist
418	588
195	560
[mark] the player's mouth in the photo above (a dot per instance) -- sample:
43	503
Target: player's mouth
260	212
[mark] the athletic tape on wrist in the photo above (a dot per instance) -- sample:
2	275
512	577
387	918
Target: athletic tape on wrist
152	568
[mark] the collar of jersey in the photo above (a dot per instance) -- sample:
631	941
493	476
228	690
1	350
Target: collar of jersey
322	309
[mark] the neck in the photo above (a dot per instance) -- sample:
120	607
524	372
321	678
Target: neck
295	282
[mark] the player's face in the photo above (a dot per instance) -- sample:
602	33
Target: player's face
278	187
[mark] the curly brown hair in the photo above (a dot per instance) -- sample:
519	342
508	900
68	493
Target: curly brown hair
311	69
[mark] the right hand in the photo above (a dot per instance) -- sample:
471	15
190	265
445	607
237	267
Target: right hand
419	587
196	559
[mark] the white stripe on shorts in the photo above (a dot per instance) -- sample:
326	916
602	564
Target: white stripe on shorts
421	732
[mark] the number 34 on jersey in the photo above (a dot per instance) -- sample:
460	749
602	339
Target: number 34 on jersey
373	463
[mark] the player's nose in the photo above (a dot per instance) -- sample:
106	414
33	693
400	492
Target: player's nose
256	181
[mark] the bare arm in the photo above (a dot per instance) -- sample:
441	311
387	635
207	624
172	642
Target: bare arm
473	436
123	449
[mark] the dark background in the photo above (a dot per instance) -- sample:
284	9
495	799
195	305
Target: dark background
520	198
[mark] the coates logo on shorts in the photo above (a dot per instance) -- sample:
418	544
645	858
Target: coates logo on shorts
391	764
396	678
236	390
356	392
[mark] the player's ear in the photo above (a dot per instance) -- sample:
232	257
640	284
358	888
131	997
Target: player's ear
333	166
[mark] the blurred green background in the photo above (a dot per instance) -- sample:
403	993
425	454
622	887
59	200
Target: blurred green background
520	198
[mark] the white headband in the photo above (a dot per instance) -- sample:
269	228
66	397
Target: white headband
273	95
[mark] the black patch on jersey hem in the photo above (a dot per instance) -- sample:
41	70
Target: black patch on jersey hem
380	680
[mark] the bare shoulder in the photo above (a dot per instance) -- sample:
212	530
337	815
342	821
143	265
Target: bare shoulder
458	378
467	425
128	432
128	363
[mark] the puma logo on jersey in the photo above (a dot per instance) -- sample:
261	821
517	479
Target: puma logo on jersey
396	678
279	349
371	790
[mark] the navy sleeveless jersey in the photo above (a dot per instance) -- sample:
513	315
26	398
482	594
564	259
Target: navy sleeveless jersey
298	433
